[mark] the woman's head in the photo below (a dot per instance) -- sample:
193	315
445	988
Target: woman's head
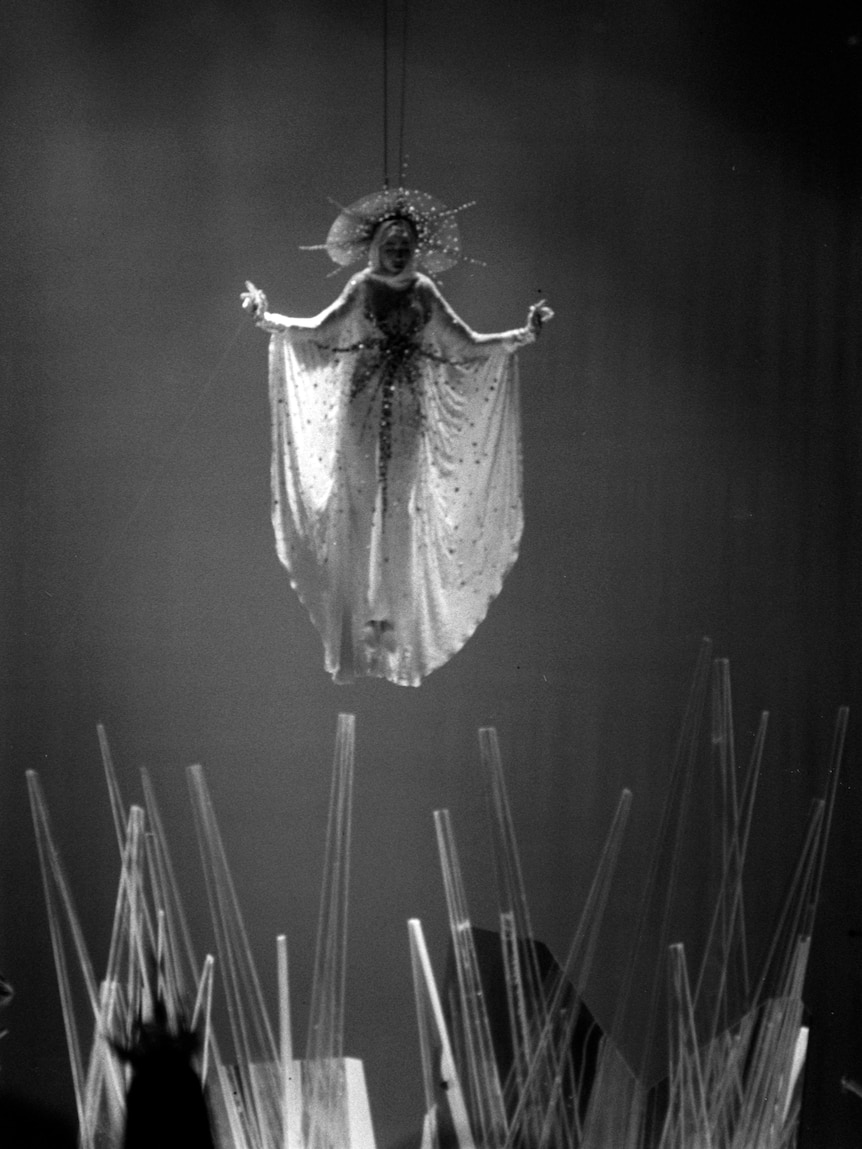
393	248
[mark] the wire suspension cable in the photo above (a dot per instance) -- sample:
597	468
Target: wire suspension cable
401	116
386	94
401	96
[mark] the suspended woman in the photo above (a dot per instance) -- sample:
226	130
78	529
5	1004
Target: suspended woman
396	448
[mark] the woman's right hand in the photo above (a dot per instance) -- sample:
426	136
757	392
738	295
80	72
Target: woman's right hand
255	301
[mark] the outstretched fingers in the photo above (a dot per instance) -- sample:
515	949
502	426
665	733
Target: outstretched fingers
539	315
254	300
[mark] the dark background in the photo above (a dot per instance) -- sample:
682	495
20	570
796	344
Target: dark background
681	181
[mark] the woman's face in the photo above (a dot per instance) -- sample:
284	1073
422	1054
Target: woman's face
395	250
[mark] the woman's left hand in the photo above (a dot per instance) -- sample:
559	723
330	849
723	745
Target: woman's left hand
538	316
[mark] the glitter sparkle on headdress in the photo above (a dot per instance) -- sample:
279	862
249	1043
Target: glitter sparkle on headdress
438	242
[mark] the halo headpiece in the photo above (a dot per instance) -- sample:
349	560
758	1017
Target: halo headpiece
438	244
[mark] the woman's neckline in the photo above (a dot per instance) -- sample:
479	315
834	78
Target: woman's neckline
396	282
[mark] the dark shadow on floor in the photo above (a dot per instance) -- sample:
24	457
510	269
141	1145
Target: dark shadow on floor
25	1124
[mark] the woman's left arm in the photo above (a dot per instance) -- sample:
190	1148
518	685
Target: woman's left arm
468	342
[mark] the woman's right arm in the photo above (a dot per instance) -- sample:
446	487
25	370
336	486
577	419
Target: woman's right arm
299	330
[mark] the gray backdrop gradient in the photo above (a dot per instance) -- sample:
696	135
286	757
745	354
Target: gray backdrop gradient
681	182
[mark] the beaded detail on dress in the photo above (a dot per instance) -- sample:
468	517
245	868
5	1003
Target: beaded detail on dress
396	475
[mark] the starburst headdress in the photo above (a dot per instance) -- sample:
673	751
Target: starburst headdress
438	244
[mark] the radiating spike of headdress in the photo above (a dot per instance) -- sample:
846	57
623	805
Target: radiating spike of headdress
438	244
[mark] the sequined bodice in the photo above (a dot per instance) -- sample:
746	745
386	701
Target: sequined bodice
387	373
397	313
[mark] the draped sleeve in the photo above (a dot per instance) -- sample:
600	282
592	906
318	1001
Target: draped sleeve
468	497
309	385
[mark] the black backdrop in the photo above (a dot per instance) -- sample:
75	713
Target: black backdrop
681	181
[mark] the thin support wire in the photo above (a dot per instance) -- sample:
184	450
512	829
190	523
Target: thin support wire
401	116
402	95
386	94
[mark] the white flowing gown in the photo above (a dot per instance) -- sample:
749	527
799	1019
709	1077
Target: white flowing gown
396	473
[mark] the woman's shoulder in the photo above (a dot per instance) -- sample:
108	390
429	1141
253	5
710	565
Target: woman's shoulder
426	286
353	291
357	281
